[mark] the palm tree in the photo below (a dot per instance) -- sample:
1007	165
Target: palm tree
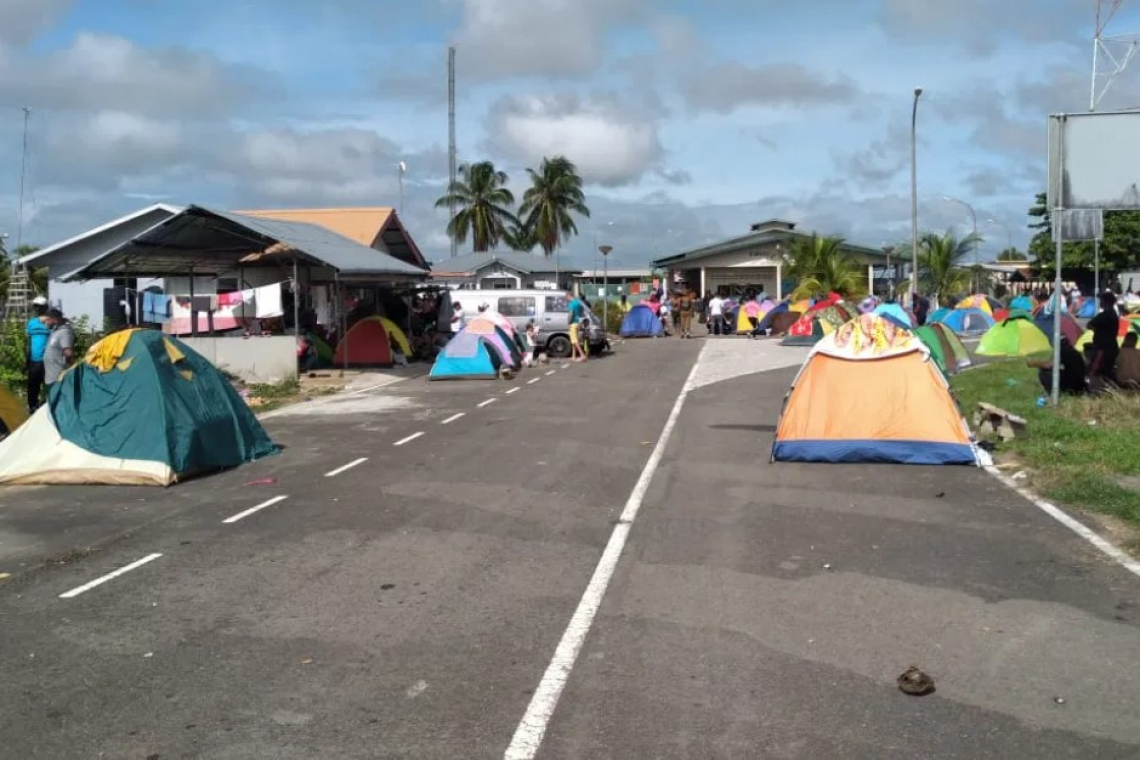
820	266
483	205
940	269
519	237
555	192
1012	254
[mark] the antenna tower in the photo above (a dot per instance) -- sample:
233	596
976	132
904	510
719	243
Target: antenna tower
451	137
1111	52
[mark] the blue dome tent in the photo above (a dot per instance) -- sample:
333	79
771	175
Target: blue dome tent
641	322
895	313
968	321
467	356
780	308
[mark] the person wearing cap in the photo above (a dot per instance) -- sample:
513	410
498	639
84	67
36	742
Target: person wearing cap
38	331
60	347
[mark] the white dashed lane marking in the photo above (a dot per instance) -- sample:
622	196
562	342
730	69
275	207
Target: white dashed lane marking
453	418
513	390
485	403
252	510
349	466
533	381
409	439
109	576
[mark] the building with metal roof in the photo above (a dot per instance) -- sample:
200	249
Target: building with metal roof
756	261
378	228
504	269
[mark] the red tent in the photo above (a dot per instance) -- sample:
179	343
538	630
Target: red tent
366	344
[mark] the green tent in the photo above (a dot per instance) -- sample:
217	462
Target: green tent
946	348
140	408
1016	336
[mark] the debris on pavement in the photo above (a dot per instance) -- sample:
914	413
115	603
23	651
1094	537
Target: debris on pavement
1059	700
262	482
915	683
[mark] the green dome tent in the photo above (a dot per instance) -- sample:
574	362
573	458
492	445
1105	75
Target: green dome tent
141	408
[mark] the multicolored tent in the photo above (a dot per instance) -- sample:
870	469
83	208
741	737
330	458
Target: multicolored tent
817	323
967	321
869	392
896	313
979	301
1126	326
641	322
946	348
473	354
1016	336
368	343
743	324
938	315
1087	309
498	339
13	413
1069	327
783	307
1023	303
141	408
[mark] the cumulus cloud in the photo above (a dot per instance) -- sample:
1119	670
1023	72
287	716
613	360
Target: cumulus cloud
609	145
21	21
725	87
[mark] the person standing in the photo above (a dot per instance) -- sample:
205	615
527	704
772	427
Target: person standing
921	309
685	307
38	331
1106	331
576	310
60	348
716	314
456	317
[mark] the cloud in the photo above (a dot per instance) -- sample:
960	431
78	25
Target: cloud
21	21
610	145
725	87
553	38
981	26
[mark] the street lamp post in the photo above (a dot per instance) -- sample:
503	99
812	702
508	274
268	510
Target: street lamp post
974	239
605	251
889	249
914	196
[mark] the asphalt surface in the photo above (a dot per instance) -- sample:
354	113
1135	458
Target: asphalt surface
408	606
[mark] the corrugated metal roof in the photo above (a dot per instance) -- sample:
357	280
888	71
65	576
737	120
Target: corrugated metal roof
211	241
527	263
748	241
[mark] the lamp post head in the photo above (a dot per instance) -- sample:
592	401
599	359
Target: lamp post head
917	91
605	249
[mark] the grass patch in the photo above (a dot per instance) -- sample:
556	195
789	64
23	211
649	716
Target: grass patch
1077	453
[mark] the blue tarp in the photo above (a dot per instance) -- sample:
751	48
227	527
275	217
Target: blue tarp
641	322
889	452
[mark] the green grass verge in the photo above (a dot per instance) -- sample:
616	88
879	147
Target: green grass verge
1072	460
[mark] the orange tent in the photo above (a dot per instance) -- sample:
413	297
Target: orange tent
366	344
869	392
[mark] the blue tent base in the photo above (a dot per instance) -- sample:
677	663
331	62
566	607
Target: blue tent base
641	322
875	452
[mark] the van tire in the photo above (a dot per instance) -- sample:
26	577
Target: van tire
558	346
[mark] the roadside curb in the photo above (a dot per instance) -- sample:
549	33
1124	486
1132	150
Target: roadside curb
340	394
1111	550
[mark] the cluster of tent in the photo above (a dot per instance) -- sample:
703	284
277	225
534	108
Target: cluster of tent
141	408
486	346
873	391
1026	334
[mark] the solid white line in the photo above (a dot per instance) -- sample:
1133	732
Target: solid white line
533	381
485	403
409	439
115	574
1071	523
453	418
551	372
349	466
513	390
258	508
528	736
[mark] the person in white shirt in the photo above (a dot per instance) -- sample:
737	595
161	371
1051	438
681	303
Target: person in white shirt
716	314
456	317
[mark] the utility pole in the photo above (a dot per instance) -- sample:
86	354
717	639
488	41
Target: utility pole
451	139
23	173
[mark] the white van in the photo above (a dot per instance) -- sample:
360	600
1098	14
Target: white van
548	308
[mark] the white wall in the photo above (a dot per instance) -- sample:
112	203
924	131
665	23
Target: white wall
269	359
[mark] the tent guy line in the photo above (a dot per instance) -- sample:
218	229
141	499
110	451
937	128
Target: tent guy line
252	510
109	576
349	466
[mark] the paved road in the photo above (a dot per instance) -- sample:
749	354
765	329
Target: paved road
408	607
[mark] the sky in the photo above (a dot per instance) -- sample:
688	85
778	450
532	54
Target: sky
689	121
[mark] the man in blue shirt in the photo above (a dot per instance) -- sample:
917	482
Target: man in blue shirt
38	331
576	312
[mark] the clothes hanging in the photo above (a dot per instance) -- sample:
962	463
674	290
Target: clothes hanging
269	301
226	300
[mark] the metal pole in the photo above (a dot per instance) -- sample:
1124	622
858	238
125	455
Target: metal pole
451	152
914	196
1096	272
1058	239
296	302
23	171
974	245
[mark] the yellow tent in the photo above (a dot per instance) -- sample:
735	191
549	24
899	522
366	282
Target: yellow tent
397	335
12	410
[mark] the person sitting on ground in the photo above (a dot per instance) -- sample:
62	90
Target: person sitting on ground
1128	363
1072	370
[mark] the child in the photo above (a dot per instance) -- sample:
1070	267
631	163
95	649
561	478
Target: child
531	334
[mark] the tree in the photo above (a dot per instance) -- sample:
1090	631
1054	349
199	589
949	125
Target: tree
940	257
555	193
1119	250
483	205
519	237
1012	254
820	265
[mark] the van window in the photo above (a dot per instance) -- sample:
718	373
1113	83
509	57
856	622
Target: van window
557	304
517	306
